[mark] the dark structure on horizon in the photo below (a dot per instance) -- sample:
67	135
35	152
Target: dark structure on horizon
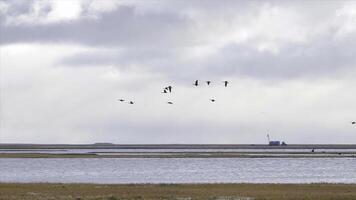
275	142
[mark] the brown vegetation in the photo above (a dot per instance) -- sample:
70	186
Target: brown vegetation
181	191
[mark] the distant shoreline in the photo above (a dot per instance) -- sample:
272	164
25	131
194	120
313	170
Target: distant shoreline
174	146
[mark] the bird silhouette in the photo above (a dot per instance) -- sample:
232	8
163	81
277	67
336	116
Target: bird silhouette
169	102
208	82
164	91
169	88
353	122
212	100
131	102
196	83
225	83
122	100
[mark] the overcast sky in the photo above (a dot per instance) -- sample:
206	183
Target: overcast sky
64	63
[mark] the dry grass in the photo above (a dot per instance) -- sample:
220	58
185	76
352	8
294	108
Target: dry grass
173	191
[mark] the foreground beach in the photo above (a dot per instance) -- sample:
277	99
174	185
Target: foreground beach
14	191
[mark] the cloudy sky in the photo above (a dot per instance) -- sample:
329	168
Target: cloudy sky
64	63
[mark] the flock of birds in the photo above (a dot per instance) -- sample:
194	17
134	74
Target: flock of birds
169	89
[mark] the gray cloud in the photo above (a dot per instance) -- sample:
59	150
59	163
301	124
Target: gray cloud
158	40
122	27
317	59
321	58
17	7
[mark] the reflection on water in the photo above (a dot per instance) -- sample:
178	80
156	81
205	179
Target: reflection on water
179	170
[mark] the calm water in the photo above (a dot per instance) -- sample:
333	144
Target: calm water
85	151
179	170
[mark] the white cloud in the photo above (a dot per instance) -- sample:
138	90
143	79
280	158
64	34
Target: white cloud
64	10
346	19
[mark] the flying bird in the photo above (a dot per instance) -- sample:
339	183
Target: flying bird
208	82
131	102
169	102
122	100
353	122
212	100
196	83
225	83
